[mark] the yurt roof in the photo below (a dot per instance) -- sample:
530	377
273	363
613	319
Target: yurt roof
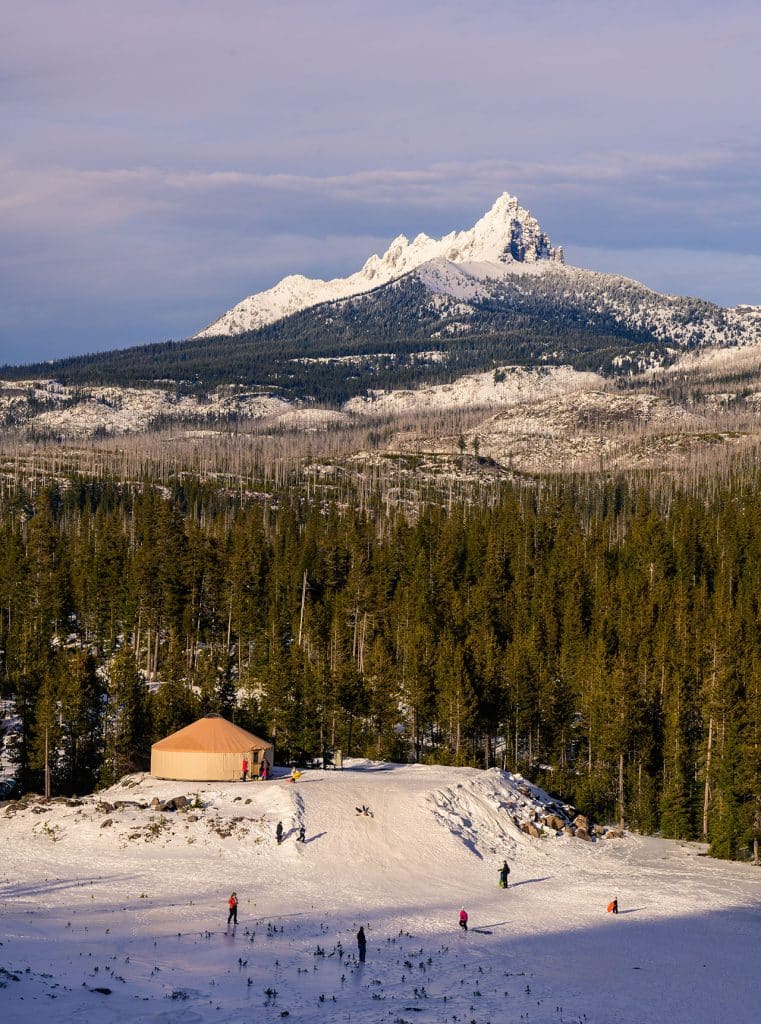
211	735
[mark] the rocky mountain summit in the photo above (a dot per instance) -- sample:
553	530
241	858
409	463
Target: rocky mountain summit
507	234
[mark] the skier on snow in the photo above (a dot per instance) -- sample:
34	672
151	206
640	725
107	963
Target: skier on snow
279	833
361	944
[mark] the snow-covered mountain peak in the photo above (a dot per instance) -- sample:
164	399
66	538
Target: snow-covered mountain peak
506	235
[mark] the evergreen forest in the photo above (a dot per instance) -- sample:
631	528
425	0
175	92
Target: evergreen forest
597	636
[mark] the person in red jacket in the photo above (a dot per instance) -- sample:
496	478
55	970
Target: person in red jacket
464	920
244	770
232	903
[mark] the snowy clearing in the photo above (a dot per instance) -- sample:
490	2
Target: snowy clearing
118	913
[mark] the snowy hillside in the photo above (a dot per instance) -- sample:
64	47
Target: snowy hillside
116	911
506	234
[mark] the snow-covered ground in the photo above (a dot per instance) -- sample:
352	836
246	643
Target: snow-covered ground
119	913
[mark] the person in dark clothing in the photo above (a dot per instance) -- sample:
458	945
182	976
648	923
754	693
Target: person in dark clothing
361	944
279	833
504	871
613	906
302	836
232	904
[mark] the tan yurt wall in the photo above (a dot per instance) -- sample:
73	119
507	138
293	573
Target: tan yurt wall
196	766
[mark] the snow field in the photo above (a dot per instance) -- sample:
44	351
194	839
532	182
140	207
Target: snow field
86	907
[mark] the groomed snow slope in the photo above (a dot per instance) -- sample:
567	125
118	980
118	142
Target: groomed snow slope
137	907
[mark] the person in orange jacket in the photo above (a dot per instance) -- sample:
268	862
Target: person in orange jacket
232	904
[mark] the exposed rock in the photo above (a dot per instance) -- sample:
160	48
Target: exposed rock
582	833
103	807
553	821
581	821
568	830
614	833
174	804
599	830
530	829
107	822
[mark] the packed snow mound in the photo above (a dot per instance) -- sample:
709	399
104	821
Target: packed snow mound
507	235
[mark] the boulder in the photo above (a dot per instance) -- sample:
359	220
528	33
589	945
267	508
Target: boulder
599	830
581	821
582	833
107	822
614	833
530	829
568	830
554	821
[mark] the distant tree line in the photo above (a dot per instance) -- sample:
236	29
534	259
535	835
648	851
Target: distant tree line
606	644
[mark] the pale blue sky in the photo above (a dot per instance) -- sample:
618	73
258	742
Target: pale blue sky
162	159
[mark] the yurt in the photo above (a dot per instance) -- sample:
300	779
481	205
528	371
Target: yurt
210	750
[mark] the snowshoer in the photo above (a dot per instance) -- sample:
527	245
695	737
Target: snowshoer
361	944
504	871
464	919
232	904
613	906
244	770
301	837
279	833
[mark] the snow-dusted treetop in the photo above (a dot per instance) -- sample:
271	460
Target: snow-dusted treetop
506	234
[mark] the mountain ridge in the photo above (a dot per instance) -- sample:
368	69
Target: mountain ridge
506	234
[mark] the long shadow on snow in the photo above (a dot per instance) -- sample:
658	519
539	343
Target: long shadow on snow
634	972
10	892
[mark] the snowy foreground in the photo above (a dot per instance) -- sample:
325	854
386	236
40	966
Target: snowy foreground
119	914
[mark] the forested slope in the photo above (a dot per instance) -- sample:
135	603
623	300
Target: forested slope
576	631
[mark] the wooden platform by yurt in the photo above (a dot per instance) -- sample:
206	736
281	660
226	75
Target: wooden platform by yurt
210	750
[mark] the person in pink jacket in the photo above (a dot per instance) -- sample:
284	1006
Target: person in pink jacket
464	920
